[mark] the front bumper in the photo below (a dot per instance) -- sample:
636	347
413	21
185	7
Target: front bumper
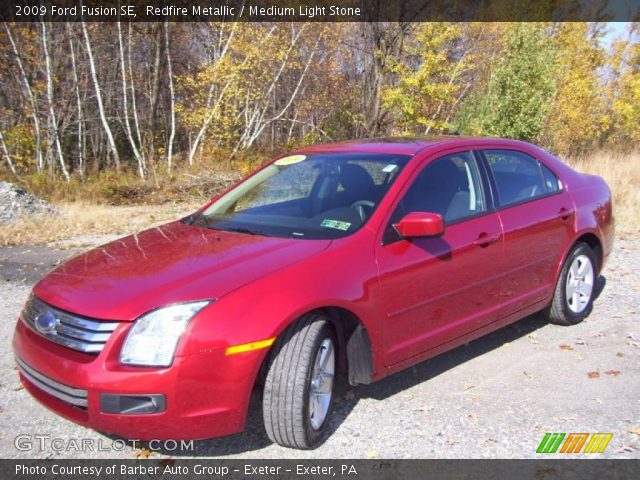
206	394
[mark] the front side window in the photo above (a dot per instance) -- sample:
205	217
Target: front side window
519	177
317	196
449	186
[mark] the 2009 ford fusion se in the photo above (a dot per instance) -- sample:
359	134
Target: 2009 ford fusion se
359	258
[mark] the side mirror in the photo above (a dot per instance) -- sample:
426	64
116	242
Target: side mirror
420	224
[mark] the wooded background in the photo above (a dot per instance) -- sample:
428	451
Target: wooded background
149	99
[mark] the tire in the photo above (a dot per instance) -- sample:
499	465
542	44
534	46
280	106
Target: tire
578	275
291	419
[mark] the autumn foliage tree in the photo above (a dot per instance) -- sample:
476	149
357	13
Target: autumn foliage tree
520	88
578	115
82	99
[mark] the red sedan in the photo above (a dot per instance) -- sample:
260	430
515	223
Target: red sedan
360	258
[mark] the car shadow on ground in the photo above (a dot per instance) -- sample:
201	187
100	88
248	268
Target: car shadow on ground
346	397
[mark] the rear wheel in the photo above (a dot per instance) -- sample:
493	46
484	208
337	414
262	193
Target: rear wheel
573	296
298	390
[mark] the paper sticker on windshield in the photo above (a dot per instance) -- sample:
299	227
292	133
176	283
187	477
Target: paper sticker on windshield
290	160
390	168
337	224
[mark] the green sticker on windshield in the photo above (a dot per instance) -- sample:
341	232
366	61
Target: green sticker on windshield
337	224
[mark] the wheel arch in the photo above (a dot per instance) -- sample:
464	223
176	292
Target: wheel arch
355	352
594	243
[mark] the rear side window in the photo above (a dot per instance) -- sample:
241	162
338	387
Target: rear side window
519	177
550	180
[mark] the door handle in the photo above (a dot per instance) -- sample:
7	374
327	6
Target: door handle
565	213
486	239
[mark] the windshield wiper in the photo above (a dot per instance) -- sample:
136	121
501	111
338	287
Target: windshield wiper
248	231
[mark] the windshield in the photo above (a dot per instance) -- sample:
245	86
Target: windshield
317	196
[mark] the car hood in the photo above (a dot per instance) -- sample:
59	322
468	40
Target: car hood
169	264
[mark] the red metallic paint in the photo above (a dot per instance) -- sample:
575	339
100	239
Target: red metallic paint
416	298
420	224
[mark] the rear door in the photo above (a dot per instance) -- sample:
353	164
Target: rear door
536	215
436	289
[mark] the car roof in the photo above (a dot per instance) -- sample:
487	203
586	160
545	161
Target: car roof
405	145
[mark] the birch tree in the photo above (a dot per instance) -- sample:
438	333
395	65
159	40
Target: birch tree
139	156
6	155
76	89
96	85
31	97
172	131
53	121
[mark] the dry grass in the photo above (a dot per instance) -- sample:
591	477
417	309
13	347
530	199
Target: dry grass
82	220
622	173
81	224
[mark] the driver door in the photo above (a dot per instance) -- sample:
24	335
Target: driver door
436	289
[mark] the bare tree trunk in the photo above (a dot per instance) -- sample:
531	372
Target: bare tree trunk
153	102
172	95
258	122
134	107
31	98
127	126
5	152
52	113
96	85
76	82
207	120
383	41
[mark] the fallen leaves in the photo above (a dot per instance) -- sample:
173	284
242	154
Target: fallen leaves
593	375
634	342
372	454
625	449
613	373
635	431
143	453
566	347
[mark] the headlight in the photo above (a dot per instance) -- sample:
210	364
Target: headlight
153	338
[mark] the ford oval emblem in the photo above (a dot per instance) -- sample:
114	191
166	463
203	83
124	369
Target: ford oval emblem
46	323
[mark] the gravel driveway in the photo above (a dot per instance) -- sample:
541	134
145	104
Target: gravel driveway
494	398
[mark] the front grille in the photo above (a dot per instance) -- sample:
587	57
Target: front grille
69	330
74	396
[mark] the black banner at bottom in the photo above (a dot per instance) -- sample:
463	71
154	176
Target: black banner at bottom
191	469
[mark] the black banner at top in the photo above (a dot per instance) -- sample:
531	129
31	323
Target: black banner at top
320	10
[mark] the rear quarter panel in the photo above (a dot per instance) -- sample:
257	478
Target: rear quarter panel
592	199
594	210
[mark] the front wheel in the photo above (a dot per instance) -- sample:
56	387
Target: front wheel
298	390
573	296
